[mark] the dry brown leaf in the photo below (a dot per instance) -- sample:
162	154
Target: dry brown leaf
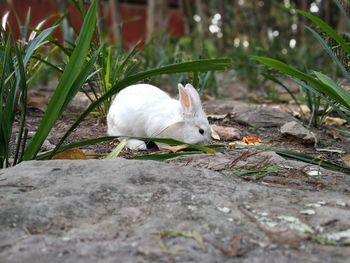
37	102
71	154
346	159
237	144
175	148
330	150
305	109
334	121
90	154
214	134
234	247
217	116
226	133
335	134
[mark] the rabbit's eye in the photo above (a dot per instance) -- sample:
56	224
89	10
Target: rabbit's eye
201	131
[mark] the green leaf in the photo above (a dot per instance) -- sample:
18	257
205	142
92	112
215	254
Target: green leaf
343	12
117	150
7	104
305	158
343	96
83	76
326	28
69	76
294	73
313	160
330	52
330	101
48	154
161	157
36	43
23	103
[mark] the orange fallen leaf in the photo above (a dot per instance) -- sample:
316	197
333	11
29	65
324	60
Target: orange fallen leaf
251	140
71	154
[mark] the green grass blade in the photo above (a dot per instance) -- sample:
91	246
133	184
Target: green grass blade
330	53
169	141
331	102
344	132
313	160
199	65
117	150
48	154
36	43
23	102
69	76
326	28
343	96
83	76
161	157
5	116
272	78
125	63
343	12
294	73
305	158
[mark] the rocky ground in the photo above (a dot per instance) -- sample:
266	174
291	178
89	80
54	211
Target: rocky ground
238	205
121	210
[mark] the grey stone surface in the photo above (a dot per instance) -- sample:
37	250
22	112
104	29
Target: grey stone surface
120	210
260	116
297	130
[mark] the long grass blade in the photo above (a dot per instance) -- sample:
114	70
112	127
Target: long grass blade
313	160
331	102
326	28
69	76
343	12
117	150
342	94
5	97
49	154
274	79
36	43
294	73
161	157
23	102
305	158
330	53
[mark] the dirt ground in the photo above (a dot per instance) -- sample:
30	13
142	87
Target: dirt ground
330	145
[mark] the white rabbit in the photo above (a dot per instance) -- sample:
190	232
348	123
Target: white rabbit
144	110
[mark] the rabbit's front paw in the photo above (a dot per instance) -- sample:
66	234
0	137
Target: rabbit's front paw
136	145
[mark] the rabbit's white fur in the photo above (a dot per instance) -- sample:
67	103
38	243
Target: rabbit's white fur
144	110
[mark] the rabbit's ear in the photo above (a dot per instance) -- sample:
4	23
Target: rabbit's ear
185	99
196	101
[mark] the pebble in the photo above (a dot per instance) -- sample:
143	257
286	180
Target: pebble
225	210
307	212
314	173
341	203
